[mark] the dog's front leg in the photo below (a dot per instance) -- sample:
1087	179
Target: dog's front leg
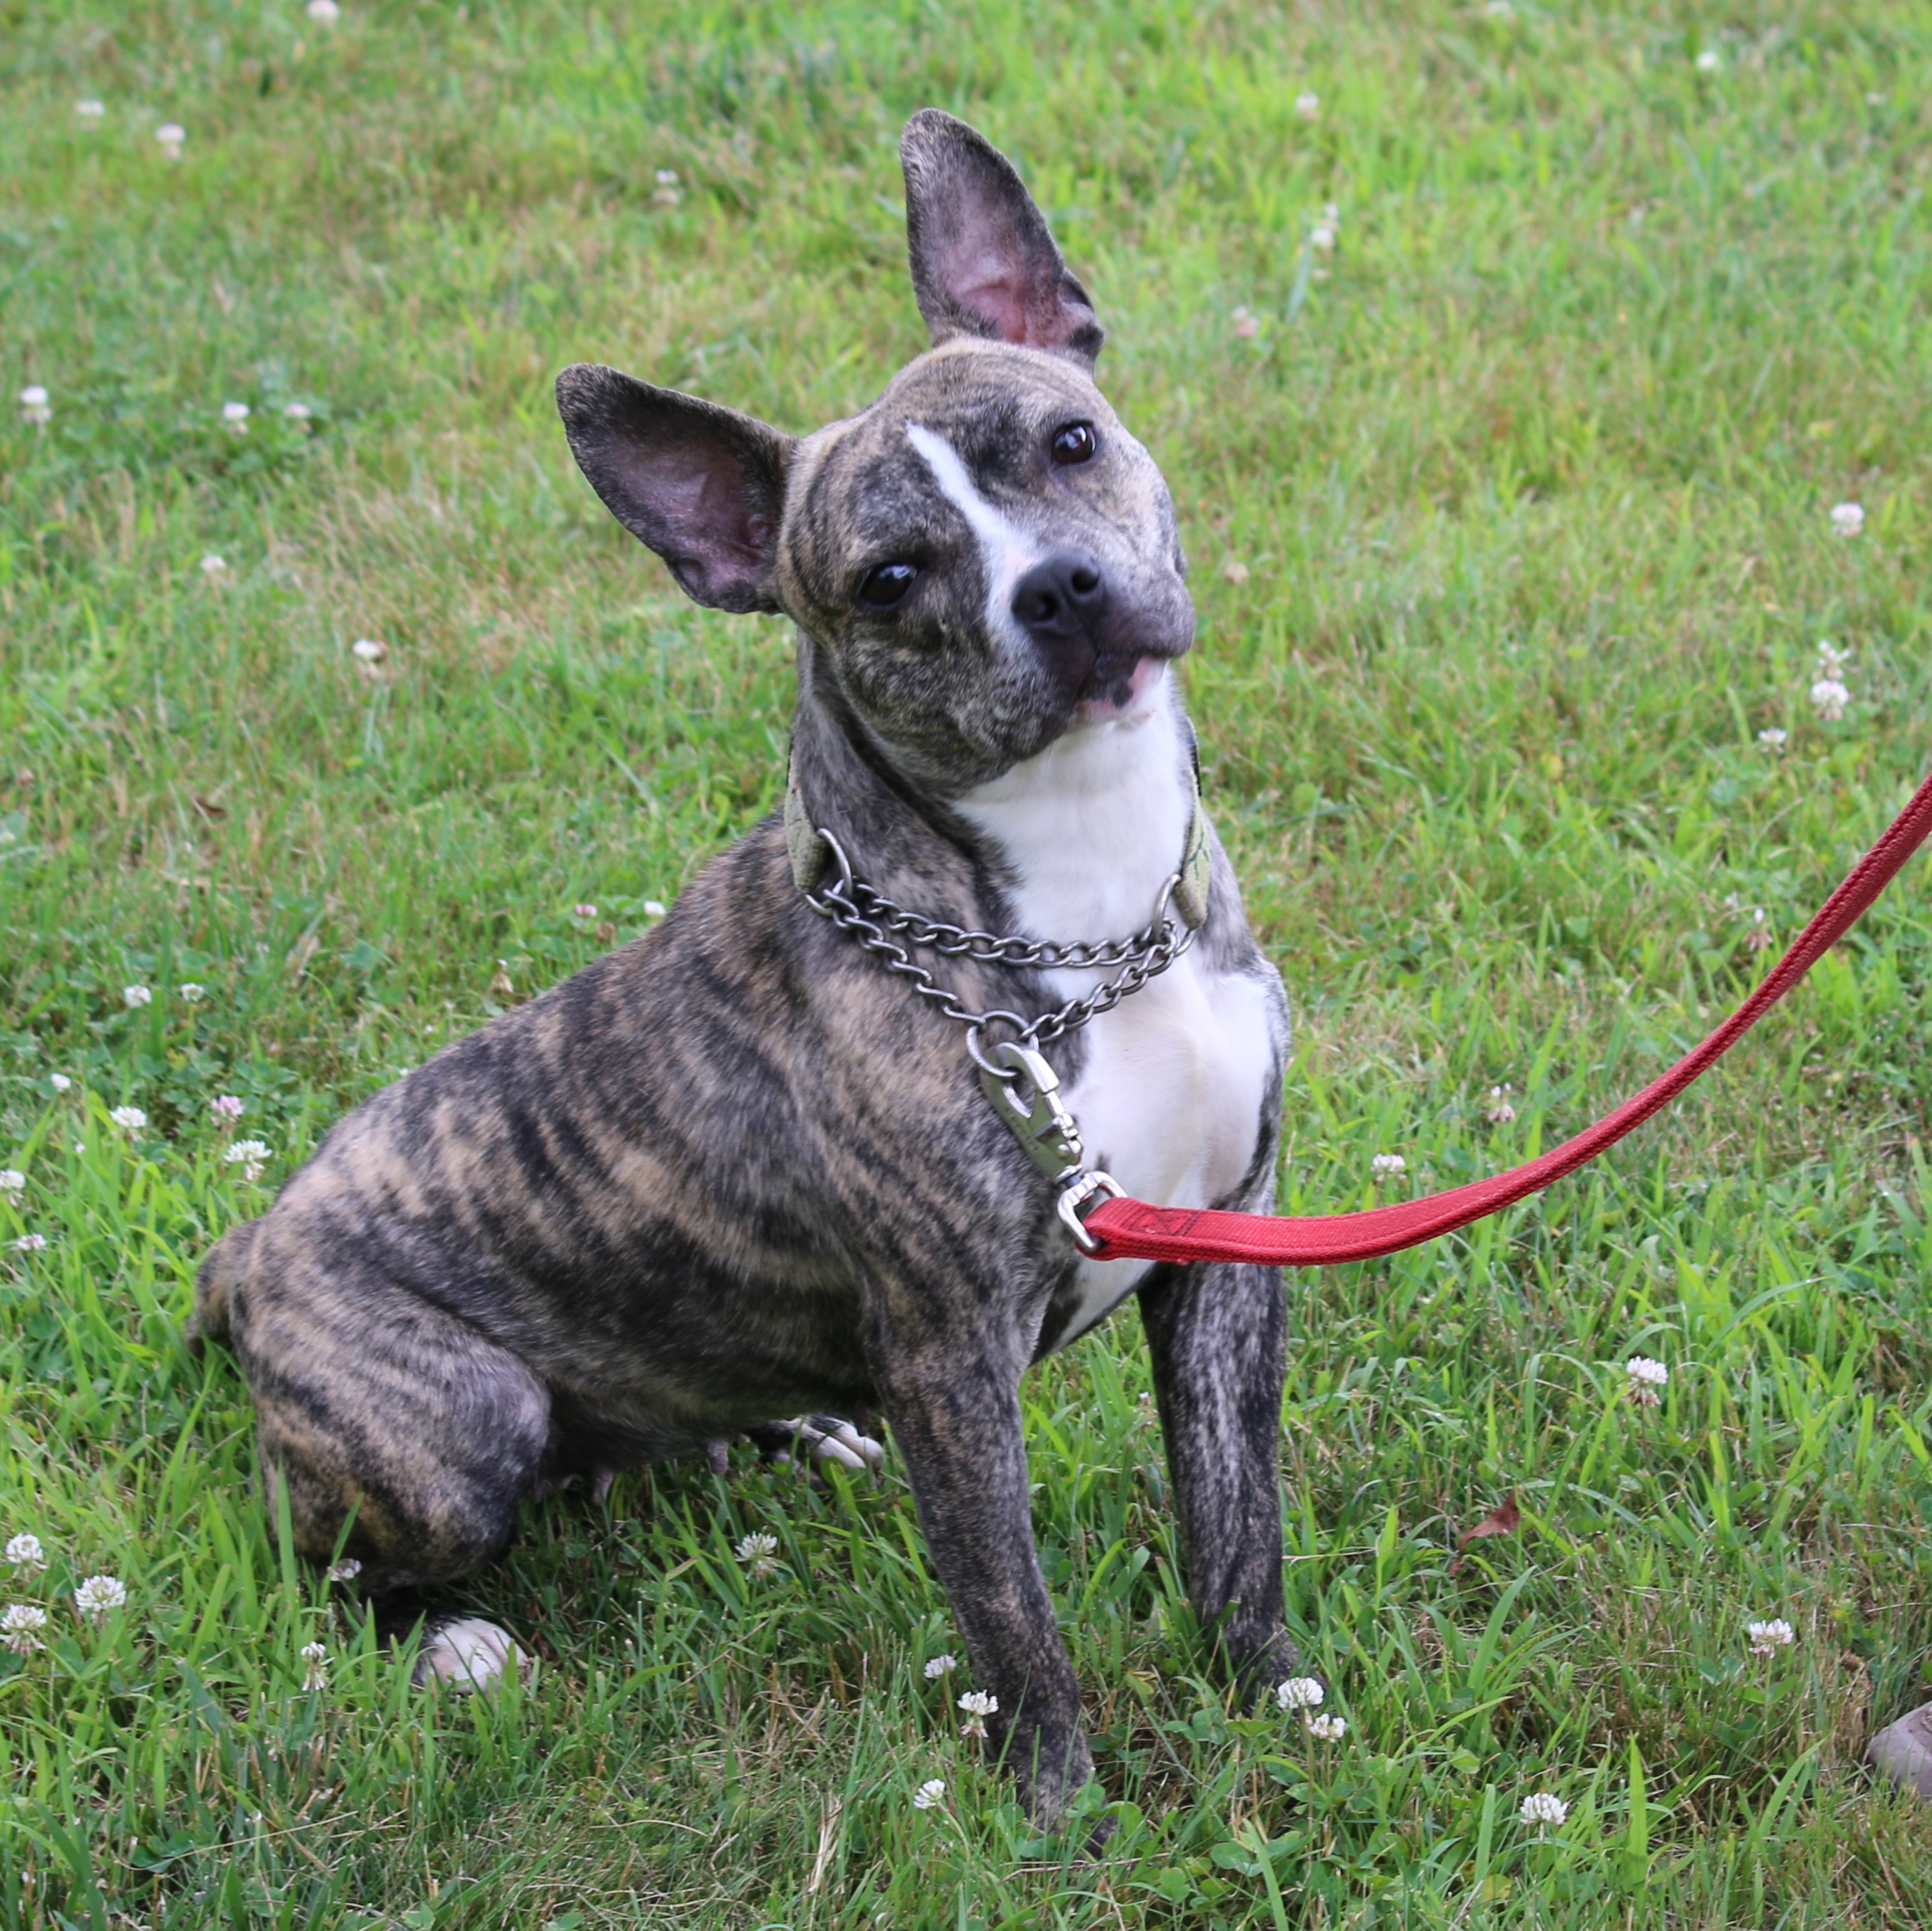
956	1417
1216	1335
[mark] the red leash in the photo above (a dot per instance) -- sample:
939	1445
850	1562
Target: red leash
1131	1229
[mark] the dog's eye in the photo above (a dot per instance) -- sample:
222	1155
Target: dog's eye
884	586
1074	442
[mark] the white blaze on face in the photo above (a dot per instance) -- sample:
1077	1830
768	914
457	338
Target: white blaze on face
1007	551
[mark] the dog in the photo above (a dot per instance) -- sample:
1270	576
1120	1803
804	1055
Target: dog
739	1168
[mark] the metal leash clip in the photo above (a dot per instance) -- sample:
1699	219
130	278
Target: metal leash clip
1024	1092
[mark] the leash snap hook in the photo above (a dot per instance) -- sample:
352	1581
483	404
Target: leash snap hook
993	1064
1024	1092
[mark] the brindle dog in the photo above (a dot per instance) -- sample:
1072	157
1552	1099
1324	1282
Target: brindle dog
736	1169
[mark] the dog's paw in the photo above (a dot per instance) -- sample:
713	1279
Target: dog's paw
828	1440
469	1655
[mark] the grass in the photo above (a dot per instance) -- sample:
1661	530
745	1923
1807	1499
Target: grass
1529	481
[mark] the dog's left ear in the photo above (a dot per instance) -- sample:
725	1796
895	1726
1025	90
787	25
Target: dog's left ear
703	486
984	261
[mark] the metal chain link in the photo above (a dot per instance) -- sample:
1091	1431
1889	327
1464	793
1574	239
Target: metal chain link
877	923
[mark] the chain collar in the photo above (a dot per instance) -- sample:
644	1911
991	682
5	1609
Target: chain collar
879	924
1022	1086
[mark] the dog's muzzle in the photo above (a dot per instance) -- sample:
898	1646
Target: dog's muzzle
1091	644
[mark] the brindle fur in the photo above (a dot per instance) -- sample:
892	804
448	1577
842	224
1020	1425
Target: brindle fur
734	1170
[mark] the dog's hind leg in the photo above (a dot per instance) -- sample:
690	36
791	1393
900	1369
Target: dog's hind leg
1216	1334
224	1266
399	1436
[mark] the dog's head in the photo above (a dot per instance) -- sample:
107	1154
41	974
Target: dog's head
984	558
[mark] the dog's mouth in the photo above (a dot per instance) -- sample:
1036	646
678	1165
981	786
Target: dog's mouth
1118	685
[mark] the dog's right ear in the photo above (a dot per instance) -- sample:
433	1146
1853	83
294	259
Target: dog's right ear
703	486
984	261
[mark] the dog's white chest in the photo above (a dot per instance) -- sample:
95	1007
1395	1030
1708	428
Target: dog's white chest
1169	1101
1169	1095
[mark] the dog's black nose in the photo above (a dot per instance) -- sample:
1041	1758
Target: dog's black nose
1058	599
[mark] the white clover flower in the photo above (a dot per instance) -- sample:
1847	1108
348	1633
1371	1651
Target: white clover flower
652	910
297	412
129	1119
324	12
757	1551
1247	324
20	1626
1300	1692
98	1594
31	1243
1829	696
1321	236
1386	1166
136	997
13	1183
667	193
90	110
584	911
1500	1111
1544	1811
171	134
316	1656
368	648
236	415
1775	736
1325	1729
1767	1638
1647	1378
227	1106
666	177
938	1666
978	1706
34	405
214	564
928	1794
24	1552
347	1570
1709	61
1308	105
192	992
1832	661
250	1155
59	1082
1847	519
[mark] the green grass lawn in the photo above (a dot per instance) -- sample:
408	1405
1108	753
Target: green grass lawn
1510	518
